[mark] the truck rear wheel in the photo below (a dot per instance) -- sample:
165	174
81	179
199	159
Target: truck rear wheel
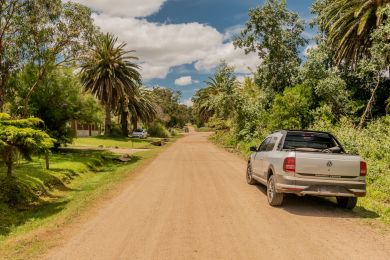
346	202
274	198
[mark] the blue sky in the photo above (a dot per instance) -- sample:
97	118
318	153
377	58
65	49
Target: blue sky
180	42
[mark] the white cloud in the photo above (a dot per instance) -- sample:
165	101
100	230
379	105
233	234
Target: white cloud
124	8
161	47
235	57
188	102
185	81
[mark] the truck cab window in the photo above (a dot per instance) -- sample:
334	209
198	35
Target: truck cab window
271	144
264	144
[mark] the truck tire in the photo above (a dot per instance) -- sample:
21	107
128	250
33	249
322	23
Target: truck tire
346	202
249	177
274	198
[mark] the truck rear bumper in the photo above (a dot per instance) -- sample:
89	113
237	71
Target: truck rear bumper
320	187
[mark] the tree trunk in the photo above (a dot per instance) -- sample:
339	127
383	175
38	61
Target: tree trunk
107	123
125	123
9	169
370	103
47	163
3	82
1	98
9	159
41	75
134	122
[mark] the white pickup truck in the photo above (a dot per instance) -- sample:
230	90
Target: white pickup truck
307	163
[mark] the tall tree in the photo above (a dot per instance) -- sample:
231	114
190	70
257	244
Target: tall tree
275	34
218	98
223	85
377	64
110	74
348	25
11	37
58	33
45	33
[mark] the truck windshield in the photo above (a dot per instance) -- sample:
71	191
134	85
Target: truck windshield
309	140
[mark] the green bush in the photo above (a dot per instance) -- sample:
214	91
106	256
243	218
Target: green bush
158	130
229	140
173	132
290	110
14	193
116	131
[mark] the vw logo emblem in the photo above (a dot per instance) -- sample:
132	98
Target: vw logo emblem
329	164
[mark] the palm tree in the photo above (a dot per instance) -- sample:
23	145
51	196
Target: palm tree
203	105
143	108
218	98
110	74
348	24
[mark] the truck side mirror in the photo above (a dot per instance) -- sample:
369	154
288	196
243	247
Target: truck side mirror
253	149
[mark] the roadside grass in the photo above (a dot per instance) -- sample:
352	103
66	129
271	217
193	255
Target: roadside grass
76	180
377	199
376	204
121	142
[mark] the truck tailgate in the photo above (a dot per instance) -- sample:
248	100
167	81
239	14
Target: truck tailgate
324	164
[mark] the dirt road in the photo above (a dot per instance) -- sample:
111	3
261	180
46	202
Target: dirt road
193	202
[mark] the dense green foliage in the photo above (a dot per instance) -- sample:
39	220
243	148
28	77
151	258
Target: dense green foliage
169	110
58	100
218	97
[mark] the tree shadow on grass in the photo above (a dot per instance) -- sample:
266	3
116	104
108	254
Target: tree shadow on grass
11	218
125	139
319	207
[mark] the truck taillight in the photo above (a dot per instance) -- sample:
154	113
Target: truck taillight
289	164
363	168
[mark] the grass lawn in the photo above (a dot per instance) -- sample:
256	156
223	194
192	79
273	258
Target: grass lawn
121	142
55	197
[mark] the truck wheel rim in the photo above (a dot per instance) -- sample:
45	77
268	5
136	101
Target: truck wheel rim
270	189
249	173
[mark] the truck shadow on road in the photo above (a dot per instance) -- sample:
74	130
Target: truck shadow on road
319	207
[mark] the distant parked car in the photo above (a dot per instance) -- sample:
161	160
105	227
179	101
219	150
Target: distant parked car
140	133
307	163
